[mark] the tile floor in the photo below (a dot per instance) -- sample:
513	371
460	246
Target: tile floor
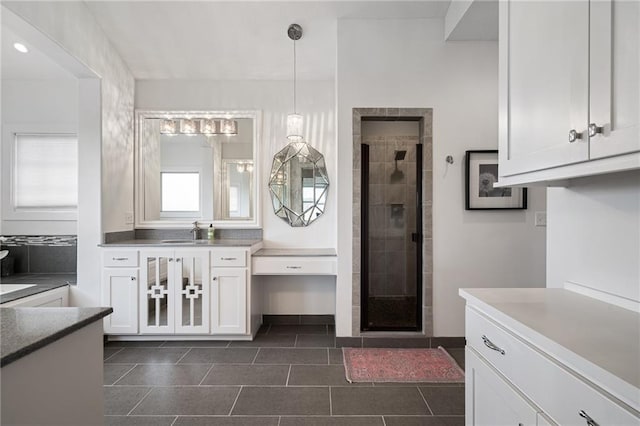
289	375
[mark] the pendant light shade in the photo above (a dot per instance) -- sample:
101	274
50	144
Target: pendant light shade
294	127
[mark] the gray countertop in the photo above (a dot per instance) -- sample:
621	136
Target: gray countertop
226	242
43	282
300	252
599	340
24	330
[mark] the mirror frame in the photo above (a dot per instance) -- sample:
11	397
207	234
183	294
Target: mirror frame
139	184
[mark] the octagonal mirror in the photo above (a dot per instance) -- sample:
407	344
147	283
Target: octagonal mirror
298	184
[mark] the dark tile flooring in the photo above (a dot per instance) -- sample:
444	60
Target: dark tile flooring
290	375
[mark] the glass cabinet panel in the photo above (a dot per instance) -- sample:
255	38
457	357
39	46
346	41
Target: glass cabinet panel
156	313
192	296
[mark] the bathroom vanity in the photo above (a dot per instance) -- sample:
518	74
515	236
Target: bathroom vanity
200	289
195	289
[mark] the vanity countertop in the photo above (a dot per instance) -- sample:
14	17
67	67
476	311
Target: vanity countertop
218	242
300	252
25	330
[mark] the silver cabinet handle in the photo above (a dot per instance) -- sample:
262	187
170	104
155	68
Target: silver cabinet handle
588	418
133	278
488	343
574	135
120	258
171	259
294	267
228	258
179	259
594	129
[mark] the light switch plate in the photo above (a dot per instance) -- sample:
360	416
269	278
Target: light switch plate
541	218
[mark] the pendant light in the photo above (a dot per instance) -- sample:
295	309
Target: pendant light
294	121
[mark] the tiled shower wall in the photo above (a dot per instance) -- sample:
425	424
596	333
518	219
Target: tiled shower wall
425	116
392	214
42	254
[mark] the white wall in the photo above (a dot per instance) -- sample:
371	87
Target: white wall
105	129
36	106
594	234
316	102
406	63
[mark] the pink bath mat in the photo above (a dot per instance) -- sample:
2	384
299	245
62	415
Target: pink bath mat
401	365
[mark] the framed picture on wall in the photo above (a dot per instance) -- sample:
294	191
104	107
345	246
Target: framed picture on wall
481	174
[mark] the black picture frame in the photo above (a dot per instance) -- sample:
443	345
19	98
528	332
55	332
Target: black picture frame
481	172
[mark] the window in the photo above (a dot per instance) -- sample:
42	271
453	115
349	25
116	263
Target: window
45	172
180	191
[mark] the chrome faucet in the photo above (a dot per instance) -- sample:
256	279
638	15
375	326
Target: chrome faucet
195	230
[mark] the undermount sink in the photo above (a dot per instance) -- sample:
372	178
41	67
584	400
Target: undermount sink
185	241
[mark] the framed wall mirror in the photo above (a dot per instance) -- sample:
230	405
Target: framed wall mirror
197	165
299	184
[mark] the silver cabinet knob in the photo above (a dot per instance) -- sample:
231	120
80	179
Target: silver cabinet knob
594	129
133	278
589	420
214	278
573	135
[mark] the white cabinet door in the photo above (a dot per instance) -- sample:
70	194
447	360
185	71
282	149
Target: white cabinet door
490	400
120	291
615	77
191	274
174	292
157	292
229	300
544	84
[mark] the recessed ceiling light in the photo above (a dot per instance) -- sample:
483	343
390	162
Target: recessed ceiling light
20	47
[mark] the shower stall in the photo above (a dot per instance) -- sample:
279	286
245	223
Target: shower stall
391	225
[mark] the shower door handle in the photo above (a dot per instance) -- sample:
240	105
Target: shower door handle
416	237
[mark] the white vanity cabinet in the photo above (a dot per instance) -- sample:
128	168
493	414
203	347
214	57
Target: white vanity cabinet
229	291
493	400
569	89
549	356
120	276
174	291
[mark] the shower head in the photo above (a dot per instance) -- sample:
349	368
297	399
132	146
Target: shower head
400	155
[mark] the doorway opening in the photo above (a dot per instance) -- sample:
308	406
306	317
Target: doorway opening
391	224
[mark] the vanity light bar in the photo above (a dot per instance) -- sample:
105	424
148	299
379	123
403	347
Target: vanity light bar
198	126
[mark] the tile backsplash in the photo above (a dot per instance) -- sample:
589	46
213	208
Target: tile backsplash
40	253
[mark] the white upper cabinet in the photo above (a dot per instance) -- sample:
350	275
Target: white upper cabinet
614	58
569	90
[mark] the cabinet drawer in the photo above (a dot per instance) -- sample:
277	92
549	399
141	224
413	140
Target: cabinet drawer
120	258
230	258
294	265
556	389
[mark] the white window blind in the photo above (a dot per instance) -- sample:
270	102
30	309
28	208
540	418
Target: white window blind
180	191
46	171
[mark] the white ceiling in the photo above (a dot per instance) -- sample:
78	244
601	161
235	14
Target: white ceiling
33	65
237	40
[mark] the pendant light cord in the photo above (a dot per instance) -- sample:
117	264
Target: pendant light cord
294	77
